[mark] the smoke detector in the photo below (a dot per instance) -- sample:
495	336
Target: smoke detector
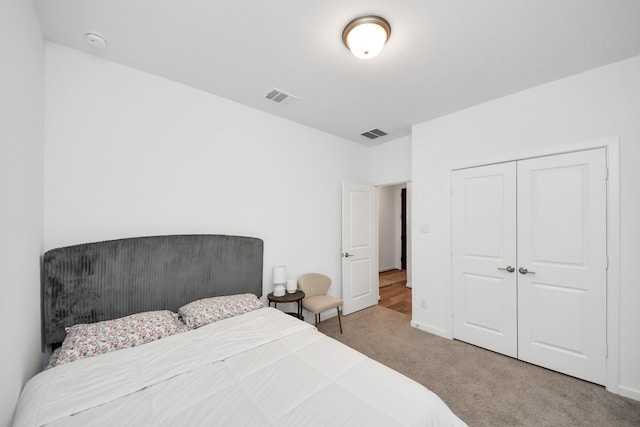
96	40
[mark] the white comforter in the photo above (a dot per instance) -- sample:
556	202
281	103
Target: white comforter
261	368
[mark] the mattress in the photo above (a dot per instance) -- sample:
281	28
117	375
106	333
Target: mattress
259	368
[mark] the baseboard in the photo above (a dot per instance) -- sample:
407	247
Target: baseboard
436	331
409	285
629	392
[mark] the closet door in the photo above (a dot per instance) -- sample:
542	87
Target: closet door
484	257
562	263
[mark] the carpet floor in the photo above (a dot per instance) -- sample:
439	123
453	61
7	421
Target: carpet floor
481	387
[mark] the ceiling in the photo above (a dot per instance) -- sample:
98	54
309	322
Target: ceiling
443	55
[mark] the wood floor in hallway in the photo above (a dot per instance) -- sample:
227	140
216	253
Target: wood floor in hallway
396	296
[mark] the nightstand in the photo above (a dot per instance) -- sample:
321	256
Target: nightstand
296	296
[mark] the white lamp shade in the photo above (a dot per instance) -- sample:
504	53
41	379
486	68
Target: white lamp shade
366	40
292	285
280	274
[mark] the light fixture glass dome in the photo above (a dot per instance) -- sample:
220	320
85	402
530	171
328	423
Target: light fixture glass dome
366	36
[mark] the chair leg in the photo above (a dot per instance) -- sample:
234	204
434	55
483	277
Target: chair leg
316	316
339	320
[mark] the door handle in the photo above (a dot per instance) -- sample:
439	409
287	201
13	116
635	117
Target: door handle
347	254
509	268
523	270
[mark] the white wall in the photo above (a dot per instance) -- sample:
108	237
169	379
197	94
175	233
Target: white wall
390	163
130	154
21	152
601	103
389	224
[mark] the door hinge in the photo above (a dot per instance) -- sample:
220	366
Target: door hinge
606	263
606	350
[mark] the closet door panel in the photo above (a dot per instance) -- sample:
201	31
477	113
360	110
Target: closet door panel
483	220
562	247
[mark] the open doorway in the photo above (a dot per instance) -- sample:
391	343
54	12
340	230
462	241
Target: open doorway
394	246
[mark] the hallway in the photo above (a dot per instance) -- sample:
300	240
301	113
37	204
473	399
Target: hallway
394	293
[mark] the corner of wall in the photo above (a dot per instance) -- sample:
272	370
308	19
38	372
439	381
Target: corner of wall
21	187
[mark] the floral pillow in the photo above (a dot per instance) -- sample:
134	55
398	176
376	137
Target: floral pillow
53	360
87	340
204	311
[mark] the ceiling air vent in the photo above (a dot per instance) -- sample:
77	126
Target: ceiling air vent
373	133
279	97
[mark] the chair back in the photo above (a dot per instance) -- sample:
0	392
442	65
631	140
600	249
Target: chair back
313	284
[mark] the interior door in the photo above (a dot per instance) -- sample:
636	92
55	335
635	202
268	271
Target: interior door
484	257
403	229
359	247
562	260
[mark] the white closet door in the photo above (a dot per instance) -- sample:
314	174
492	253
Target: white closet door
484	257
562	245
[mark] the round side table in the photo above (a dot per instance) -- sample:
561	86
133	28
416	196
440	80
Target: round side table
296	296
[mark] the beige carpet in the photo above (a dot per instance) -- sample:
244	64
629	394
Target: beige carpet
388	279
483	388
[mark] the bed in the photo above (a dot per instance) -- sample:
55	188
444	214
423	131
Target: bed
258	366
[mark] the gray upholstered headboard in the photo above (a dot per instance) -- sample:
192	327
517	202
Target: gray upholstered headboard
106	280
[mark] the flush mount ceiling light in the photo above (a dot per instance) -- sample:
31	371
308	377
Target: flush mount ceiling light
366	36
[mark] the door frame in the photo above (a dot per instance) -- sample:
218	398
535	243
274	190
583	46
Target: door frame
403	228
409	225
612	149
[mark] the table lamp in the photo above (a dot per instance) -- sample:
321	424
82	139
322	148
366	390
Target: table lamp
279	280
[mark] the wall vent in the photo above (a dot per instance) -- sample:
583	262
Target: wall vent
278	96
374	133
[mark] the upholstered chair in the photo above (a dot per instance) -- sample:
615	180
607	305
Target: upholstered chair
316	300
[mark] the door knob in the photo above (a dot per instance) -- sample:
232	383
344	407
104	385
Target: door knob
509	268
347	255
523	270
